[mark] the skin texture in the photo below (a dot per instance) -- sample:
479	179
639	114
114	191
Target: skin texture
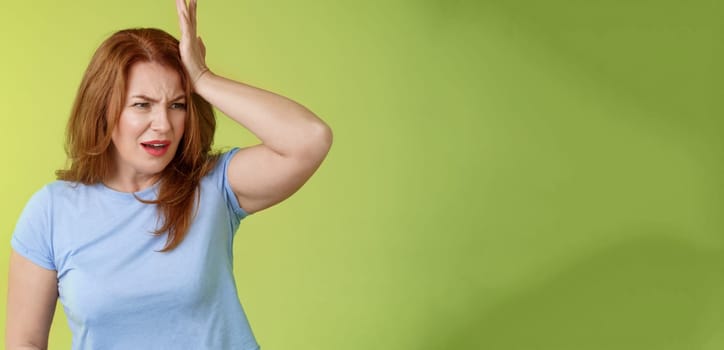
155	109
32	292
294	142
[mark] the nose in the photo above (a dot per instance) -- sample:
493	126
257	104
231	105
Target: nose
160	120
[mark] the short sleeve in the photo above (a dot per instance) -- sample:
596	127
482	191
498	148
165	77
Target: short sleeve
229	195
32	237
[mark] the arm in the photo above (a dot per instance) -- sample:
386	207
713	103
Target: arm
294	141
32	295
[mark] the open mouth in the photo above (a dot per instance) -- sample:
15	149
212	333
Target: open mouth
155	145
156	148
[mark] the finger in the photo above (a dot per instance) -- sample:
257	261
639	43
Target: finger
181	8
182	16
192	13
202	47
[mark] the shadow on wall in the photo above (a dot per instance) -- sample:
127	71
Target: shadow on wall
651	292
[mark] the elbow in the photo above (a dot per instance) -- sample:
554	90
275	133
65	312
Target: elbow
318	141
325	137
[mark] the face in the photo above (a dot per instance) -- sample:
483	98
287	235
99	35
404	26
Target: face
151	123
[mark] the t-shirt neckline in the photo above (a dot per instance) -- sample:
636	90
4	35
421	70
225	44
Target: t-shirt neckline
144	193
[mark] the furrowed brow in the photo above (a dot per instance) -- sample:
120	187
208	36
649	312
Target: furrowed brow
145	98
149	99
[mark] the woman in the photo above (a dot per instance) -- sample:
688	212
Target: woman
135	237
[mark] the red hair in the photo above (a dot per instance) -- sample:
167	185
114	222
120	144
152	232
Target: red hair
98	105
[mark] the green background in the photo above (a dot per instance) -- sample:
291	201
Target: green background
504	175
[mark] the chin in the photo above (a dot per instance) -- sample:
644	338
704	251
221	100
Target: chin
156	166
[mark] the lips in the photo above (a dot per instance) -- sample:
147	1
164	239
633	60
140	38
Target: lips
156	148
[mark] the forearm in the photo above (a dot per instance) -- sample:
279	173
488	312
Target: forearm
283	125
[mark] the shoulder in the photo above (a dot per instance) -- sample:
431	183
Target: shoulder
217	175
217	178
48	191
221	162
34	235
63	189
61	186
60	194
41	200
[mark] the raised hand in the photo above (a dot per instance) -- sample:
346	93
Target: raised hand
193	51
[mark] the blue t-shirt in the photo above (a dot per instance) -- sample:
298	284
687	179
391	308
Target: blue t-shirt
117	290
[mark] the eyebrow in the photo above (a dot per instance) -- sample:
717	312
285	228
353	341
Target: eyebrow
146	98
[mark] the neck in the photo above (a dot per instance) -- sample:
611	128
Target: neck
131	184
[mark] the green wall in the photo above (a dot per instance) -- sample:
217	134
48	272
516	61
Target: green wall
505	174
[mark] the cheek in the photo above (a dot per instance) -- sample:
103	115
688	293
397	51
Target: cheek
128	129
179	126
133	124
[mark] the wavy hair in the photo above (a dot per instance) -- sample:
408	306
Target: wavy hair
98	105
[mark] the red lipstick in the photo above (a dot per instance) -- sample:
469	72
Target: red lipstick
156	148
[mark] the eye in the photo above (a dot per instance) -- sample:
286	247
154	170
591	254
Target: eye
178	105
141	105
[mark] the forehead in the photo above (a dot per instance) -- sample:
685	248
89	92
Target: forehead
153	80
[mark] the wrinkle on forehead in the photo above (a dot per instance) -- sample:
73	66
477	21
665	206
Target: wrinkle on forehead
154	80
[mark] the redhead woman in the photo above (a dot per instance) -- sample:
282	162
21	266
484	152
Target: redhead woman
135	237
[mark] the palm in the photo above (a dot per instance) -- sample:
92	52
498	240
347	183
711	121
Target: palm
191	47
